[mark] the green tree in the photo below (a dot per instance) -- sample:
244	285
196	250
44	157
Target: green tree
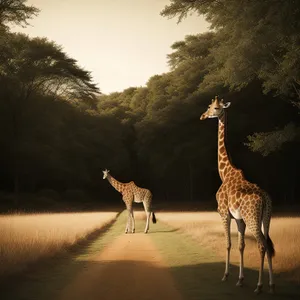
268	142
258	39
15	12
254	40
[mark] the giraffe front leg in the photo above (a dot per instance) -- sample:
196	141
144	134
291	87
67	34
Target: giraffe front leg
226	223
241	244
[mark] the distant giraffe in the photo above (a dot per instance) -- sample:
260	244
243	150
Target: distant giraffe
237	198
132	193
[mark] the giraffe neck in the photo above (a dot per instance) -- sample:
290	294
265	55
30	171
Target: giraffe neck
224	164
119	186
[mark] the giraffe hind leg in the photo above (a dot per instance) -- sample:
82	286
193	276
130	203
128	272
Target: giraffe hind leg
129	221
127	225
148	214
132	221
269	246
255	229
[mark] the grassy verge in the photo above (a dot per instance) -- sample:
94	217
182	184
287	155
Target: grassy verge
207	230
197	270
46	279
25	239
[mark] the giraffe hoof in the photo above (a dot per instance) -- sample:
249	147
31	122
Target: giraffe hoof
258	290
272	288
225	277
240	282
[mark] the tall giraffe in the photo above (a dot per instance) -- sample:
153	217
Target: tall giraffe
132	193
237	198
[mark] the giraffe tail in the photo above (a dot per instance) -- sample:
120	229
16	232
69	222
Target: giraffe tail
153	218
270	246
267	213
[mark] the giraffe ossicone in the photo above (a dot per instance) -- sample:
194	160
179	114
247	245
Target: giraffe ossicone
241	200
132	193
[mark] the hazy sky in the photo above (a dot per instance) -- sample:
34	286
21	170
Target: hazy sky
122	42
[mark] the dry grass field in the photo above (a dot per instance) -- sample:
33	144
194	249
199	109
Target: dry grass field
26	238
207	230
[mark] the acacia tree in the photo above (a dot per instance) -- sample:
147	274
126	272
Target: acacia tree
40	65
31	67
16	12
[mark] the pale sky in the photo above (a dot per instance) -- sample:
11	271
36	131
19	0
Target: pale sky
122	42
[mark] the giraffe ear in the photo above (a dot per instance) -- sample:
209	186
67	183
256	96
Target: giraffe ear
226	105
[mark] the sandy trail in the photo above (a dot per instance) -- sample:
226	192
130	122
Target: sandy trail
129	268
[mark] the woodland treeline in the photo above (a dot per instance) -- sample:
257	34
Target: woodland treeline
58	132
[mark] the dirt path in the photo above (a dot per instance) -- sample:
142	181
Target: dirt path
129	268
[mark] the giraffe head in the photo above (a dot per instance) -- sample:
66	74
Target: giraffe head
215	109
105	173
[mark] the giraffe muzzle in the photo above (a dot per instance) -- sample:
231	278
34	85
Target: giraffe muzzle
203	117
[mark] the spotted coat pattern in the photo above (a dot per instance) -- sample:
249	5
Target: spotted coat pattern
132	193
242	200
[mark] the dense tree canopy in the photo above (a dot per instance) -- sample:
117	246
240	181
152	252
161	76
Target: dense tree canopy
256	39
57	132
43	91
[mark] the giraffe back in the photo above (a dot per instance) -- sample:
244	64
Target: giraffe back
244	197
137	193
131	190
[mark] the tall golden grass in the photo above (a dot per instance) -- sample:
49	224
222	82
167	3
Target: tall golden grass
207	230
26	238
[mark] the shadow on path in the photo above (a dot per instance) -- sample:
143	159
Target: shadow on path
54	271
203	281
127	280
195	273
